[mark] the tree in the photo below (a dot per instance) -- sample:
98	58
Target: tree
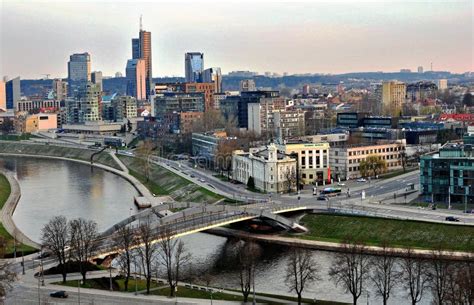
223	157
415	279
461	283
83	235
124	240
374	164
56	237
468	100
148	250
144	151
384	275
211	119
439	275
174	257
6	278
7	125
301	269
248	253
251	183
351	268
290	175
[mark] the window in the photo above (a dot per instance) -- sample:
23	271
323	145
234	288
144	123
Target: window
311	176
303	176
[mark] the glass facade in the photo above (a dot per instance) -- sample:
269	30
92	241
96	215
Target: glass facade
194	65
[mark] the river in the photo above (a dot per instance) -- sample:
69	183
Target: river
53	187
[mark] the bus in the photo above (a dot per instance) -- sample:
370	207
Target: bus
331	191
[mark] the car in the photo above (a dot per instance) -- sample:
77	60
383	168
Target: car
469	211
202	180
341	184
452	218
323	198
59	294
192	176
361	180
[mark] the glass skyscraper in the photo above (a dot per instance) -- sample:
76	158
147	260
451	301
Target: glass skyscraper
194	65
78	71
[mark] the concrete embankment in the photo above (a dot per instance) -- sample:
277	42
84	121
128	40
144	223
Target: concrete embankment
330	246
8	210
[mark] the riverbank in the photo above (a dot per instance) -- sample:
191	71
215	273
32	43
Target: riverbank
14	239
162	182
75	153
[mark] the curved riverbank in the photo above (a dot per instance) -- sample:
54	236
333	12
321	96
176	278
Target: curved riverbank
9	208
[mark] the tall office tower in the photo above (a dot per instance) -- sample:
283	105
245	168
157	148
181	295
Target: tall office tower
3	96
306	89
12	93
213	75
193	65
247	85
141	49
85	107
79	71
420	69
442	84
393	97
136	78
96	78
59	89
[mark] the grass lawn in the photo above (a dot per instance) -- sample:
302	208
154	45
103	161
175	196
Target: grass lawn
165	182
104	284
400	233
8	249
5	190
25	136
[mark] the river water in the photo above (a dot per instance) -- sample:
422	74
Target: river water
53	187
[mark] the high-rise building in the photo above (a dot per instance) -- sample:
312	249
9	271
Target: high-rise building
3	96
442	84
136	78
247	85
141	49
85	107
393	97
194	65
59	89
306	89
213	75
12	93
420	69
96	78
118	74
79	71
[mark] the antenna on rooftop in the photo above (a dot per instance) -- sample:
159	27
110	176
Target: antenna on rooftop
141	24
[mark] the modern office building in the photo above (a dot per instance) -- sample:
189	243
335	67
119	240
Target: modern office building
79	71
270	170
136	78
96	78
194	66
205	88
13	93
393	97
350	119
247	85
31	105
85	107
141	49
442	84
213	75
420	69
448	176
345	161
3	96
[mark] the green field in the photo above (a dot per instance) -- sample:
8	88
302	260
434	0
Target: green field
164	182
7	137
58	151
5	190
7	246
399	233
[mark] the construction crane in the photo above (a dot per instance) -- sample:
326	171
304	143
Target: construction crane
47	75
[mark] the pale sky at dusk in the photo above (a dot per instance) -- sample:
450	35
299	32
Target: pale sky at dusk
37	37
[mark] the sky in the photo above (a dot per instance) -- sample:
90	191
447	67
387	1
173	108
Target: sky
336	36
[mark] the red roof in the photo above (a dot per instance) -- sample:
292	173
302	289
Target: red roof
464	117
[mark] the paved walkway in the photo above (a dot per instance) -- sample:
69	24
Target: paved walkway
8	210
119	162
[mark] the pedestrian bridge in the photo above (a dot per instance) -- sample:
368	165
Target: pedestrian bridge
183	218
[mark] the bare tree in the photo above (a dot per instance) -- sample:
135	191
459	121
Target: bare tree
290	176
173	257
248	253
301	269
6	278
124	240
460	284
351	268
144	151
438	272
384	275
56	237
83	235
415	279
147	251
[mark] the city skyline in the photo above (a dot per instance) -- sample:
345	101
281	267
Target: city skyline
341	37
